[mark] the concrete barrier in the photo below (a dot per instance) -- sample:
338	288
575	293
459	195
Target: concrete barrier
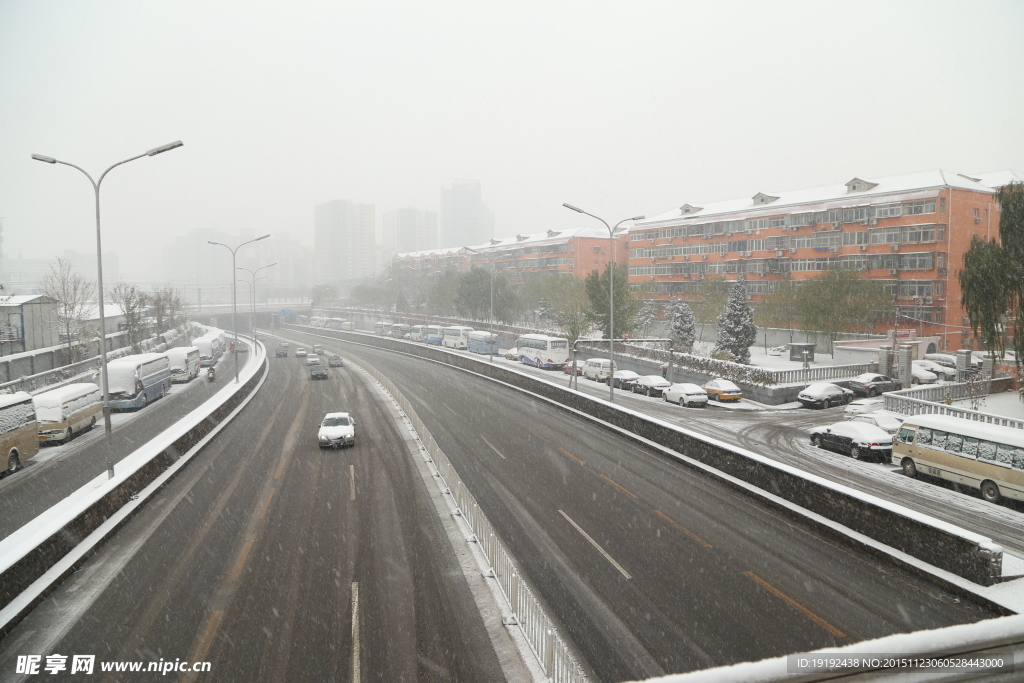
960	552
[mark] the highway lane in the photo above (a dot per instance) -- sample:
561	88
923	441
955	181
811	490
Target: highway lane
275	560
650	567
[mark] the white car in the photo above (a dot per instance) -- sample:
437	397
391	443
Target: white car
686	394
948	374
313	359
823	395
855	439
300	352
890	423
864	405
650	385
920	375
337	429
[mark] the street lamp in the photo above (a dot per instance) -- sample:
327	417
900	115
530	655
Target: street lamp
99	278
611	290
252	273
252	300
234	291
490	263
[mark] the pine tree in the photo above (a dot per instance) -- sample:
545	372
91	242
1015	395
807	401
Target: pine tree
646	317
736	329
683	326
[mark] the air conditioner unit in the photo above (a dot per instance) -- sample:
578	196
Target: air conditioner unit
834	250
686	257
918	300
779	252
872	221
650	277
928	300
835	226
703	257
749	231
863	247
977	219
894	247
652	259
785	228
792	250
893	271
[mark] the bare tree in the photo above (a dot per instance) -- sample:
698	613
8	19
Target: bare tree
133	306
74	296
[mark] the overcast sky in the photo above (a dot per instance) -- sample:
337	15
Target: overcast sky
620	108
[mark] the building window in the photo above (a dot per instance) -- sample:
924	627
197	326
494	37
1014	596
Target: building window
918	208
942	205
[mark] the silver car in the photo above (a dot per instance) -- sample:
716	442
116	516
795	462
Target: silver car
337	429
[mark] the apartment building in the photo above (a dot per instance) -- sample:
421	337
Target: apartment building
909	231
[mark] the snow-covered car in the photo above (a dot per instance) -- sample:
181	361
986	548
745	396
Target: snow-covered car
864	405
723	390
337	429
650	385
855	439
281	352
312	359
944	372
686	394
872	384
334	361
824	395
920	375
300	352
889	423
512	354
777	350
624	379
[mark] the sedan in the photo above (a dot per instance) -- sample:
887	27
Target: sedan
890	424
873	384
948	374
823	395
300	352
855	439
686	394
334	361
311	359
920	375
723	390
512	354
337	429
624	379
318	372
567	368
281	352
650	385
864	405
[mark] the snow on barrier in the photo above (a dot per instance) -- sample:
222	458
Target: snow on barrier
948	547
40	554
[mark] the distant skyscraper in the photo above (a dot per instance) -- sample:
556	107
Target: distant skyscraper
343	238
408	230
464	219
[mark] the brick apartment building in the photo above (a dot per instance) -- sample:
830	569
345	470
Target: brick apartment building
574	252
909	231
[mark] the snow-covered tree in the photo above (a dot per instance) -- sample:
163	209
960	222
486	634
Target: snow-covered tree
736	329
682	325
646	317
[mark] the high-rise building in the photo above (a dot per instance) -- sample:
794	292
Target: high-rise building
409	230
464	219
343	239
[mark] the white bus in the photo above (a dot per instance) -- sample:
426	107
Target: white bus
19	435
481	341
543	351
416	332
316	321
980	455
432	335
136	380
68	409
456	337
184	363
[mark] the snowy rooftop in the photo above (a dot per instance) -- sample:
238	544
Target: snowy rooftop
531	240
842	194
21	299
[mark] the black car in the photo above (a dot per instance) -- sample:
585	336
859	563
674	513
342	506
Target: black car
281	352
873	384
318	372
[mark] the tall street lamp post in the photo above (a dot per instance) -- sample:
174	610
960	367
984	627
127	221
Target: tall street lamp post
490	263
99	277
234	291
611	290
252	274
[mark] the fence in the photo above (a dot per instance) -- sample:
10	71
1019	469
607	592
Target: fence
822	373
551	651
930	400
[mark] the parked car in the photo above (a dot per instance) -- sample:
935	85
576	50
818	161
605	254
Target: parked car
864	405
281	352
318	371
318	349
312	359
650	385
597	369
855	439
624	379
919	375
940	371
686	394
512	354
567	368
873	384
337	429
723	390
300	352
824	395
334	361
888	423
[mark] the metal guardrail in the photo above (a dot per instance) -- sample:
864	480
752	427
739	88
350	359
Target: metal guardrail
929	400
549	648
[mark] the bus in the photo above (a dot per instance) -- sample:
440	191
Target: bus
482	342
456	337
184	363
399	330
211	348
977	454
19	431
543	351
316	321
136	380
416	332
379	328
68	409
432	335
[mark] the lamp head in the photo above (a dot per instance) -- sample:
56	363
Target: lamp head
40	157
164	148
570	206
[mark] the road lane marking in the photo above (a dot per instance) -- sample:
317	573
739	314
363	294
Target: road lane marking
204	645
565	452
92	570
351	482
449	409
236	571
493	448
682	528
796	605
596	545
617	485
280	469
13	649
355	632
542	438
266	505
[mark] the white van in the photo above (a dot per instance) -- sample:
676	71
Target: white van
184	363
68	409
598	369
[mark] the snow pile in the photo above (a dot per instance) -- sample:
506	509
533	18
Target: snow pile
16	410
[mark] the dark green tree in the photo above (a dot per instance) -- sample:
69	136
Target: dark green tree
682	325
840	300
626	305
646	316
736	329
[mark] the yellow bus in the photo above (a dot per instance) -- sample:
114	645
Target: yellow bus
19	433
984	456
